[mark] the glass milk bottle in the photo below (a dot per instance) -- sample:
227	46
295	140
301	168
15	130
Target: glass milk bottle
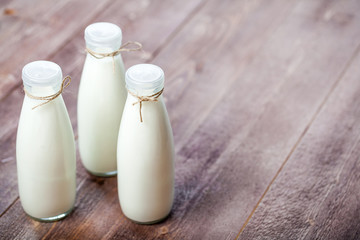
45	147
145	148
101	99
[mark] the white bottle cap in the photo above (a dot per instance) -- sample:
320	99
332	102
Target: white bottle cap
144	77
41	73
103	35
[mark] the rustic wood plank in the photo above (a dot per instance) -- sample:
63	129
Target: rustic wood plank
196	38
196	189
71	58
217	184
277	120
34	32
252	157
153	231
316	195
31	33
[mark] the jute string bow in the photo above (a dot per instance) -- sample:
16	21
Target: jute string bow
152	98
66	82
123	48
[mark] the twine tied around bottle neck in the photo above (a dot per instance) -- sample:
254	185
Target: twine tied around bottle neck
123	48
152	98
65	83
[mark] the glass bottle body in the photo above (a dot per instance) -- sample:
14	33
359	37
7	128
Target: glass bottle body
145	161
46	157
101	99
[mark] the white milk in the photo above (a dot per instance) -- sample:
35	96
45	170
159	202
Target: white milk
145	150
45	147
101	100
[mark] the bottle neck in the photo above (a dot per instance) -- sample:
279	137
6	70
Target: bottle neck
42	91
103	49
135	98
144	92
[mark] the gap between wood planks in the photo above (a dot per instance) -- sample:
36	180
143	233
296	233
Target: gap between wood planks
16	199
332	186
356	52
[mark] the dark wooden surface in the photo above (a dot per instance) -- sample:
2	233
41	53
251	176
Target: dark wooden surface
263	97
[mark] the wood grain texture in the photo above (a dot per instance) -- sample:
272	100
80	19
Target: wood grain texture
243	81
232	157
317	195
31	33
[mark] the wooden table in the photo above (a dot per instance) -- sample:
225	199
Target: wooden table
264	101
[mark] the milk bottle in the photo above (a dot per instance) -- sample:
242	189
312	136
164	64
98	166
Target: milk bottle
101	99
45	147
145	148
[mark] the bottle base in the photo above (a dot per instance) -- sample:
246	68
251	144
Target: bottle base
106	174
150	222
54	218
